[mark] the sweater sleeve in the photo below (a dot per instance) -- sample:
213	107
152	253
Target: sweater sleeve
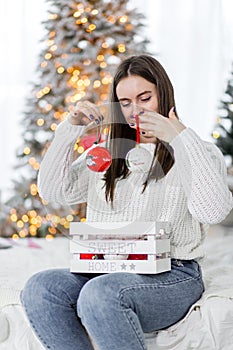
58	181
202	171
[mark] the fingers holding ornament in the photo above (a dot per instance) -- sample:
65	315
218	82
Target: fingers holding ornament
153	124
85	113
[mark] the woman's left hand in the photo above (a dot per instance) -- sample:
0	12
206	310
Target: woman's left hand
153	124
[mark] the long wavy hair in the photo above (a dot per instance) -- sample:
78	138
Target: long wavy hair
122	137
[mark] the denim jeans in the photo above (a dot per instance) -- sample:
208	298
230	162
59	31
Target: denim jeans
115	310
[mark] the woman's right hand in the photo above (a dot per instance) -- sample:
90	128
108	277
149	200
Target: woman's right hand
85	113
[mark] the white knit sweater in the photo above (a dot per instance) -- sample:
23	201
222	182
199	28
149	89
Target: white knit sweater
191	196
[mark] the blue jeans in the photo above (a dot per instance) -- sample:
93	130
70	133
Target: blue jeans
114	309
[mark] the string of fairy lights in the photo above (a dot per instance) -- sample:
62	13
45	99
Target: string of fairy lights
27	224
216	133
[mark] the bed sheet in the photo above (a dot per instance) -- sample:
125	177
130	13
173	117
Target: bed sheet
207	326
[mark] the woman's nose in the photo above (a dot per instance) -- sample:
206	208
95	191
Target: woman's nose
136	109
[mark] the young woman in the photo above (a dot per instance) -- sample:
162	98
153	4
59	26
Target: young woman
184	186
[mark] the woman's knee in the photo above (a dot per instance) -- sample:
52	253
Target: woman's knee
51	285
35	285
41	284
97	296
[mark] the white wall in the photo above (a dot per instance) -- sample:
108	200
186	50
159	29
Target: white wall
20	32
193	39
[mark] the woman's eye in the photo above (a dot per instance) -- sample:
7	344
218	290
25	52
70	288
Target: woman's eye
145	99
125	104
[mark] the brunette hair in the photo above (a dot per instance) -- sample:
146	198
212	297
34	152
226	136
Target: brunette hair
122	137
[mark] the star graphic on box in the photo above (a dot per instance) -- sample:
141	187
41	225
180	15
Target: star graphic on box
132	267
123	266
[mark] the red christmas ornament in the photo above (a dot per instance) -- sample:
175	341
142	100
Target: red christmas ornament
87	141
98	159
137	257
86	256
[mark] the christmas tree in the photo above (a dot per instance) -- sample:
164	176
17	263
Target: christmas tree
223	131
83	43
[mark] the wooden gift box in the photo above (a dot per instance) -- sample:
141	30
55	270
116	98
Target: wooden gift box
119	238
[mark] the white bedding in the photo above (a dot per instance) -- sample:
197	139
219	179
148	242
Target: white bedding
207	326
